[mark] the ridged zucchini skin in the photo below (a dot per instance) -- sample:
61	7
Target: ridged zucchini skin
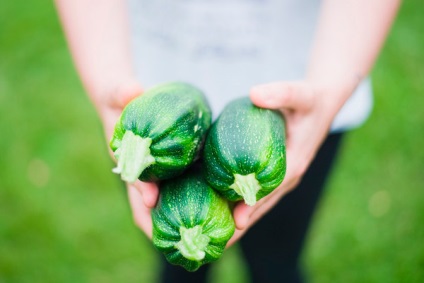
188	201
176	117
245	140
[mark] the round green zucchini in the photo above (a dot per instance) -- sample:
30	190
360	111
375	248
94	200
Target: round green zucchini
160	133
192	223
244	153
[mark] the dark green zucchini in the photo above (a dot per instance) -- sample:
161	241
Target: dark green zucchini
244	153
160	133
192	223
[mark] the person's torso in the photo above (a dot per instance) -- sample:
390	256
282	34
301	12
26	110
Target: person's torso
227	46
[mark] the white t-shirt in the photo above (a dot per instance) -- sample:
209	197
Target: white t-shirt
227	46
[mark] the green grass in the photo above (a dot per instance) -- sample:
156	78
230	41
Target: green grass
64	217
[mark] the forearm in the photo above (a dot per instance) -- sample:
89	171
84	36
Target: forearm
349	37
98	36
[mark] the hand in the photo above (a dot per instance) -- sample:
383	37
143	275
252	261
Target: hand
308	111
142	196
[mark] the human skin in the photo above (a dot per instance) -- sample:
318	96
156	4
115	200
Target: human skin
348	38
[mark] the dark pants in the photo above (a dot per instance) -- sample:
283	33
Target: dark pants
273	246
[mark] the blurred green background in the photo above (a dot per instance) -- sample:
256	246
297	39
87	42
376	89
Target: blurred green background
64	216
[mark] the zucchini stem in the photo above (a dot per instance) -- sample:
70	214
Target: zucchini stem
193	243
133	156
246	186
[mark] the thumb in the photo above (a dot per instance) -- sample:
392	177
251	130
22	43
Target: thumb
124	93
149	191
277	95
241	214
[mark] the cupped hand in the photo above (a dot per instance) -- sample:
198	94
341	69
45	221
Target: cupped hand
142	196
308	112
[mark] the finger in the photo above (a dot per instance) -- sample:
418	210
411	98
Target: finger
296	164
110	117
241	214
302	145
149	192
124	93
265	204
245	216
116	100
236	236
277	95
140	212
